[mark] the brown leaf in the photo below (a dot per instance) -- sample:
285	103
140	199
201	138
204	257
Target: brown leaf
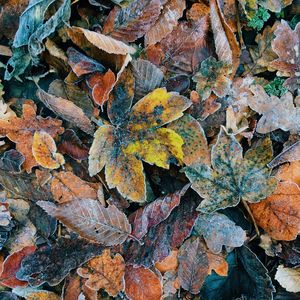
217	263
193	265
44	151
170	263
290	172
67	110
154	213
66	187
9	16
104	272
132	22
11	265
42	295
142	284
279	214
167	20
185	47
91	220
21	131
227	47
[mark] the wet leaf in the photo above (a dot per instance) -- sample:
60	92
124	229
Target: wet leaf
233	176
104	272
279	213
108	226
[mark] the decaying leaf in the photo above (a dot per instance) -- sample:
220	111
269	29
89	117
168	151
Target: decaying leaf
233	176
167	20
121	150
21	131
170	263
132	22
104	272
193	265
107	226
290	172
66	187
279	214
44	151
52	264
218	230
142	284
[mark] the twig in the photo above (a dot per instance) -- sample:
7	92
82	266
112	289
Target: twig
251	216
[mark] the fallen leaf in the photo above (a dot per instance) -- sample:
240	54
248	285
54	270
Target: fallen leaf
233	176
113	145
218	231
21	131
66	187
44	151
170	263
154	213
277	113
52	264
42	295
104	272
11	161
193	265
108	226
167	20
289	172
67	110
288	278
132	22
11	265
142	284
279	213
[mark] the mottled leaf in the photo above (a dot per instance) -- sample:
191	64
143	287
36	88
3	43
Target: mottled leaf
233	177
104	272
52	264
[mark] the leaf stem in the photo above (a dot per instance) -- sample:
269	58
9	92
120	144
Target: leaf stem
251	216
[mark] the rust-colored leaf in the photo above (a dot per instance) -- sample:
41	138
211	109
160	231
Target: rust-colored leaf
142	284
21	131
104	272
279	214
44	151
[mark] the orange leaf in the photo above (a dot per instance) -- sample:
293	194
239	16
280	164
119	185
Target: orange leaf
142	284
104	272
279	214
44	151
21	131
170	263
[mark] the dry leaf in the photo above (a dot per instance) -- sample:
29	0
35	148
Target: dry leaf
288	278
168	18
170	263
142	284
44	151
21	131
193	265
107	226
290	172
279	214
66	186
104	272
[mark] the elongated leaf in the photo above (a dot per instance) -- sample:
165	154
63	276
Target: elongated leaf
91	220
193	265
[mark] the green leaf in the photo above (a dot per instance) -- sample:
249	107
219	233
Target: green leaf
275	87
260	17
232	177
